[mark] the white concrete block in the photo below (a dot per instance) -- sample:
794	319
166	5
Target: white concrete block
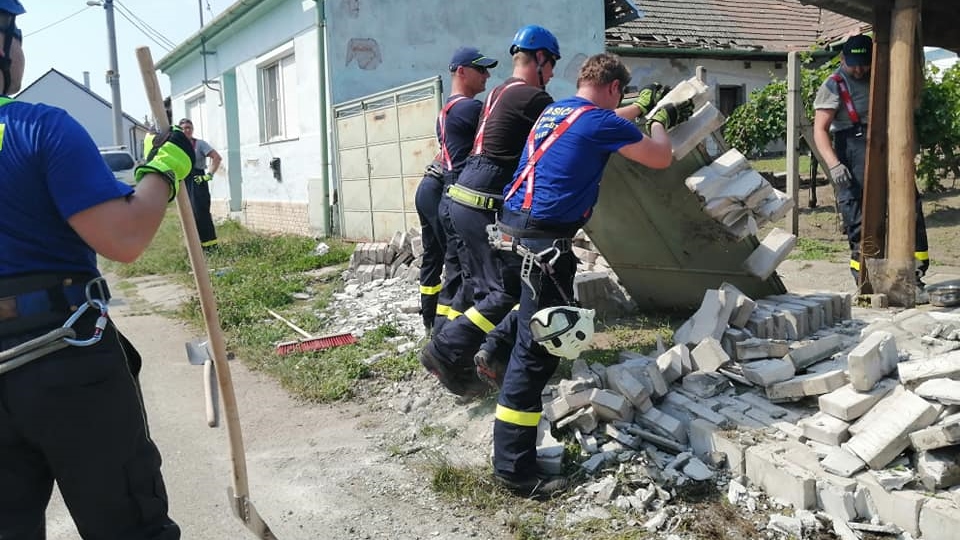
754	349
939	520
824	428
946	391
883	435
671	363
764	260
847	404
689	134
936	436
743	305
782	480
814	384
767	372
871	360
706	322
610	405
708	355
622	381
939	469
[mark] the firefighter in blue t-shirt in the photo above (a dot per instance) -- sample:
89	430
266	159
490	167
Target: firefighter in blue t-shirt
71	410
552	195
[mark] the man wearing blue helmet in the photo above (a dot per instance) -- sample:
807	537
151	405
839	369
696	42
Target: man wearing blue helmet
70	404
508	114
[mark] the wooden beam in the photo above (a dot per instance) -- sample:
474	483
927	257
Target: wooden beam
873	221
901	196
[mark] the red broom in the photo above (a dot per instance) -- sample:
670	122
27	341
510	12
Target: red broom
310	343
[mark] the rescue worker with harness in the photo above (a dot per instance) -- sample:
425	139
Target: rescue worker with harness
70	405
508	114
842	110
551	197
456	126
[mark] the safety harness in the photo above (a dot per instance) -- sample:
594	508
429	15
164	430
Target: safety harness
445	153
65	335
547	258
847	100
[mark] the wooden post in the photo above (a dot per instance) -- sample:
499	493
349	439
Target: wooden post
793	140
873	221
901	136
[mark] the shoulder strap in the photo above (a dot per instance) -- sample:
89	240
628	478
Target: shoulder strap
533	156
846	98
493	98
444	153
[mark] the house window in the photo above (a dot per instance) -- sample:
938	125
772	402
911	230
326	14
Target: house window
730	97
278	94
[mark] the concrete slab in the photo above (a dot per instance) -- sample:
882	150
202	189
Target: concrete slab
883	431
873	358
939	520
847	404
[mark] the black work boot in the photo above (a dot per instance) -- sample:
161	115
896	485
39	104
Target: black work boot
533	487
461	382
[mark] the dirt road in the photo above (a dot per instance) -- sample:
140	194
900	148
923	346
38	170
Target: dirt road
316	472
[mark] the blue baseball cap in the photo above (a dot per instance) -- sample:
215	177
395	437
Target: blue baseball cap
470	57
858	51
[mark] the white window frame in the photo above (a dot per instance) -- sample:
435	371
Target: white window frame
278	96
195	106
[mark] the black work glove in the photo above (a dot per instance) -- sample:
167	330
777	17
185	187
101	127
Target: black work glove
671	114
170	154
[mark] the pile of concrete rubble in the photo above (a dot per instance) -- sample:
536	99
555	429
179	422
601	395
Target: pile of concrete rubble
788	394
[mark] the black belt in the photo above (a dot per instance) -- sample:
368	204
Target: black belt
35	301
544	233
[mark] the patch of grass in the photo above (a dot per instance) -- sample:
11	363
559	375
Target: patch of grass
638	334
811	249
779	164
466	484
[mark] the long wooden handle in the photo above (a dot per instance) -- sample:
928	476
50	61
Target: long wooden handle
296	328
210	396
208	303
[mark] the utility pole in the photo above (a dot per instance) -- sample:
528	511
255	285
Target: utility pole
113	74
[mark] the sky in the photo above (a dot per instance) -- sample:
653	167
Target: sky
71	37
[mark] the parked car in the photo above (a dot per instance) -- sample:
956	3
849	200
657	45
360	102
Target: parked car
120	161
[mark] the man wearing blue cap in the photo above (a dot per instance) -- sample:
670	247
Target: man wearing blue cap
456	127
842	110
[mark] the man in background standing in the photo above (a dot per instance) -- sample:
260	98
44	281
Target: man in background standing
198	188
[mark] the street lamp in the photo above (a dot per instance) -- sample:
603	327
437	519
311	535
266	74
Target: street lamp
113	74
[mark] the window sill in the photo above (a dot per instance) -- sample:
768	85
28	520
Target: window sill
278	141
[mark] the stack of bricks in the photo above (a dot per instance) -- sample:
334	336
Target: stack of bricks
398	258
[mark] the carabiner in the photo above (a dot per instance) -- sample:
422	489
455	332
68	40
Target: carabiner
98	326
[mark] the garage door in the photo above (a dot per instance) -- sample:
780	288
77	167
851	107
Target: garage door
384	141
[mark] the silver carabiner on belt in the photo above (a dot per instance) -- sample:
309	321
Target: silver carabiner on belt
98	327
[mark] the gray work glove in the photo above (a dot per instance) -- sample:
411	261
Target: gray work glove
841	175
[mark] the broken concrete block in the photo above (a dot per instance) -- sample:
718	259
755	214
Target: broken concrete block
708	355
772	410
686	136
684	403
671	363
916	372
556	409
824	428
732	336
785	324
882	438
742	305
767	372
700	434
610	405
939	520
847	404
871	359
898	507
584	420
705	384
782	480
801	386
662	424
622	381
946	391
842	463
796	317
645	370
772	251
710	320
936	436
939	469
837	502
754	348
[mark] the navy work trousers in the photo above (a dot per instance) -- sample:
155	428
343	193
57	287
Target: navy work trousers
456	292
519	405
852	152
199	194
76	417
429	194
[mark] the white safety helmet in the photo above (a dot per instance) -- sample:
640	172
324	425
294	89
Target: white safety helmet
564	331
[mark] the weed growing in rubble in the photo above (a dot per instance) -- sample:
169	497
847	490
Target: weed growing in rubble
811	249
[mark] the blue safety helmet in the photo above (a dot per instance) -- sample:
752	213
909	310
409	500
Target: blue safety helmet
13	7
535	38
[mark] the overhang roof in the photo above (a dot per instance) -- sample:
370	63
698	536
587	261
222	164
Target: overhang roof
939	20
748	26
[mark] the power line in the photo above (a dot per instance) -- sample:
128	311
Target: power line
37	31
142	25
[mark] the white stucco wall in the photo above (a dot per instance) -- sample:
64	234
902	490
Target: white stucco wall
93	114
719	72
378	44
